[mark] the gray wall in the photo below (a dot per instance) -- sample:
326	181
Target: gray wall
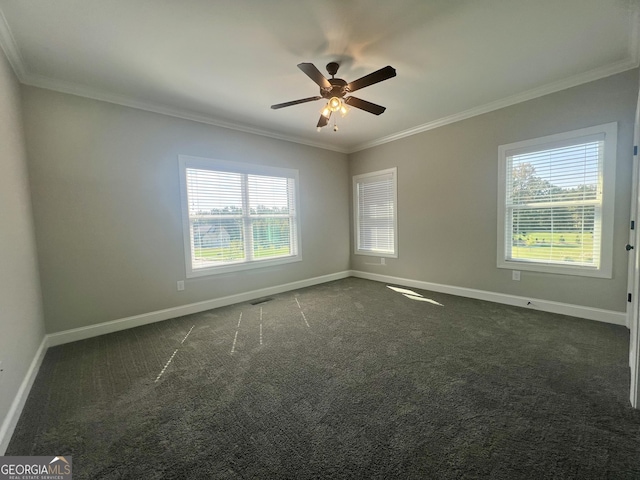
20	305
447	194
107	207
107	211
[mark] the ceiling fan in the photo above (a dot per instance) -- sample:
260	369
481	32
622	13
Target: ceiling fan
335	89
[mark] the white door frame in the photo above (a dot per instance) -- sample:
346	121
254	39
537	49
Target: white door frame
633	282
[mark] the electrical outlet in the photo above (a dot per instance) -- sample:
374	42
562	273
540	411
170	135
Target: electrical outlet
515	275
383	261
180	285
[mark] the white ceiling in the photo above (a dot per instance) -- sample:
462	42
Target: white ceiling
225	62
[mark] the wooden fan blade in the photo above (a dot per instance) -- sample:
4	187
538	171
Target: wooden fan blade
294	102
314	74
323	120
364	105
375	77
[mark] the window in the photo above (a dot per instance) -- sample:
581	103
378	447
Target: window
555	210
237	216
374	206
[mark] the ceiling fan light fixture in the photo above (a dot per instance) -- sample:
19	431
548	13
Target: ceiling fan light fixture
339	88
334	104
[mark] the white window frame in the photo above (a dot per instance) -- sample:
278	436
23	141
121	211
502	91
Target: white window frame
186	162
606	183
356	214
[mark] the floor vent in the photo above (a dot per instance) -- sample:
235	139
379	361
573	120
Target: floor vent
261	300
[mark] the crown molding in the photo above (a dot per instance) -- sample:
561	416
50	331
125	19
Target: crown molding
11	50
590	76
632	61
97	94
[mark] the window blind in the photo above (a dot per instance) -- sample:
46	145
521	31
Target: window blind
554	205
271	209
237	218
375	205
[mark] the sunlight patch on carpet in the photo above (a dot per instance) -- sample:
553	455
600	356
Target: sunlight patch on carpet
413	295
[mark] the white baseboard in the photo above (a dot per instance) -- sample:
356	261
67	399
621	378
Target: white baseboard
82	333
59	338
13	415
607	316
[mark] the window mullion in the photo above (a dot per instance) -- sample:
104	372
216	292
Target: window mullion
294	248
247	227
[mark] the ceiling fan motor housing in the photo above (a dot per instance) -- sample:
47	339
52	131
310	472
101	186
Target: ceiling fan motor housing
338	88
337	84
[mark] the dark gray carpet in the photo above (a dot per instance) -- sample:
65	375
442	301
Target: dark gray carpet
376	386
